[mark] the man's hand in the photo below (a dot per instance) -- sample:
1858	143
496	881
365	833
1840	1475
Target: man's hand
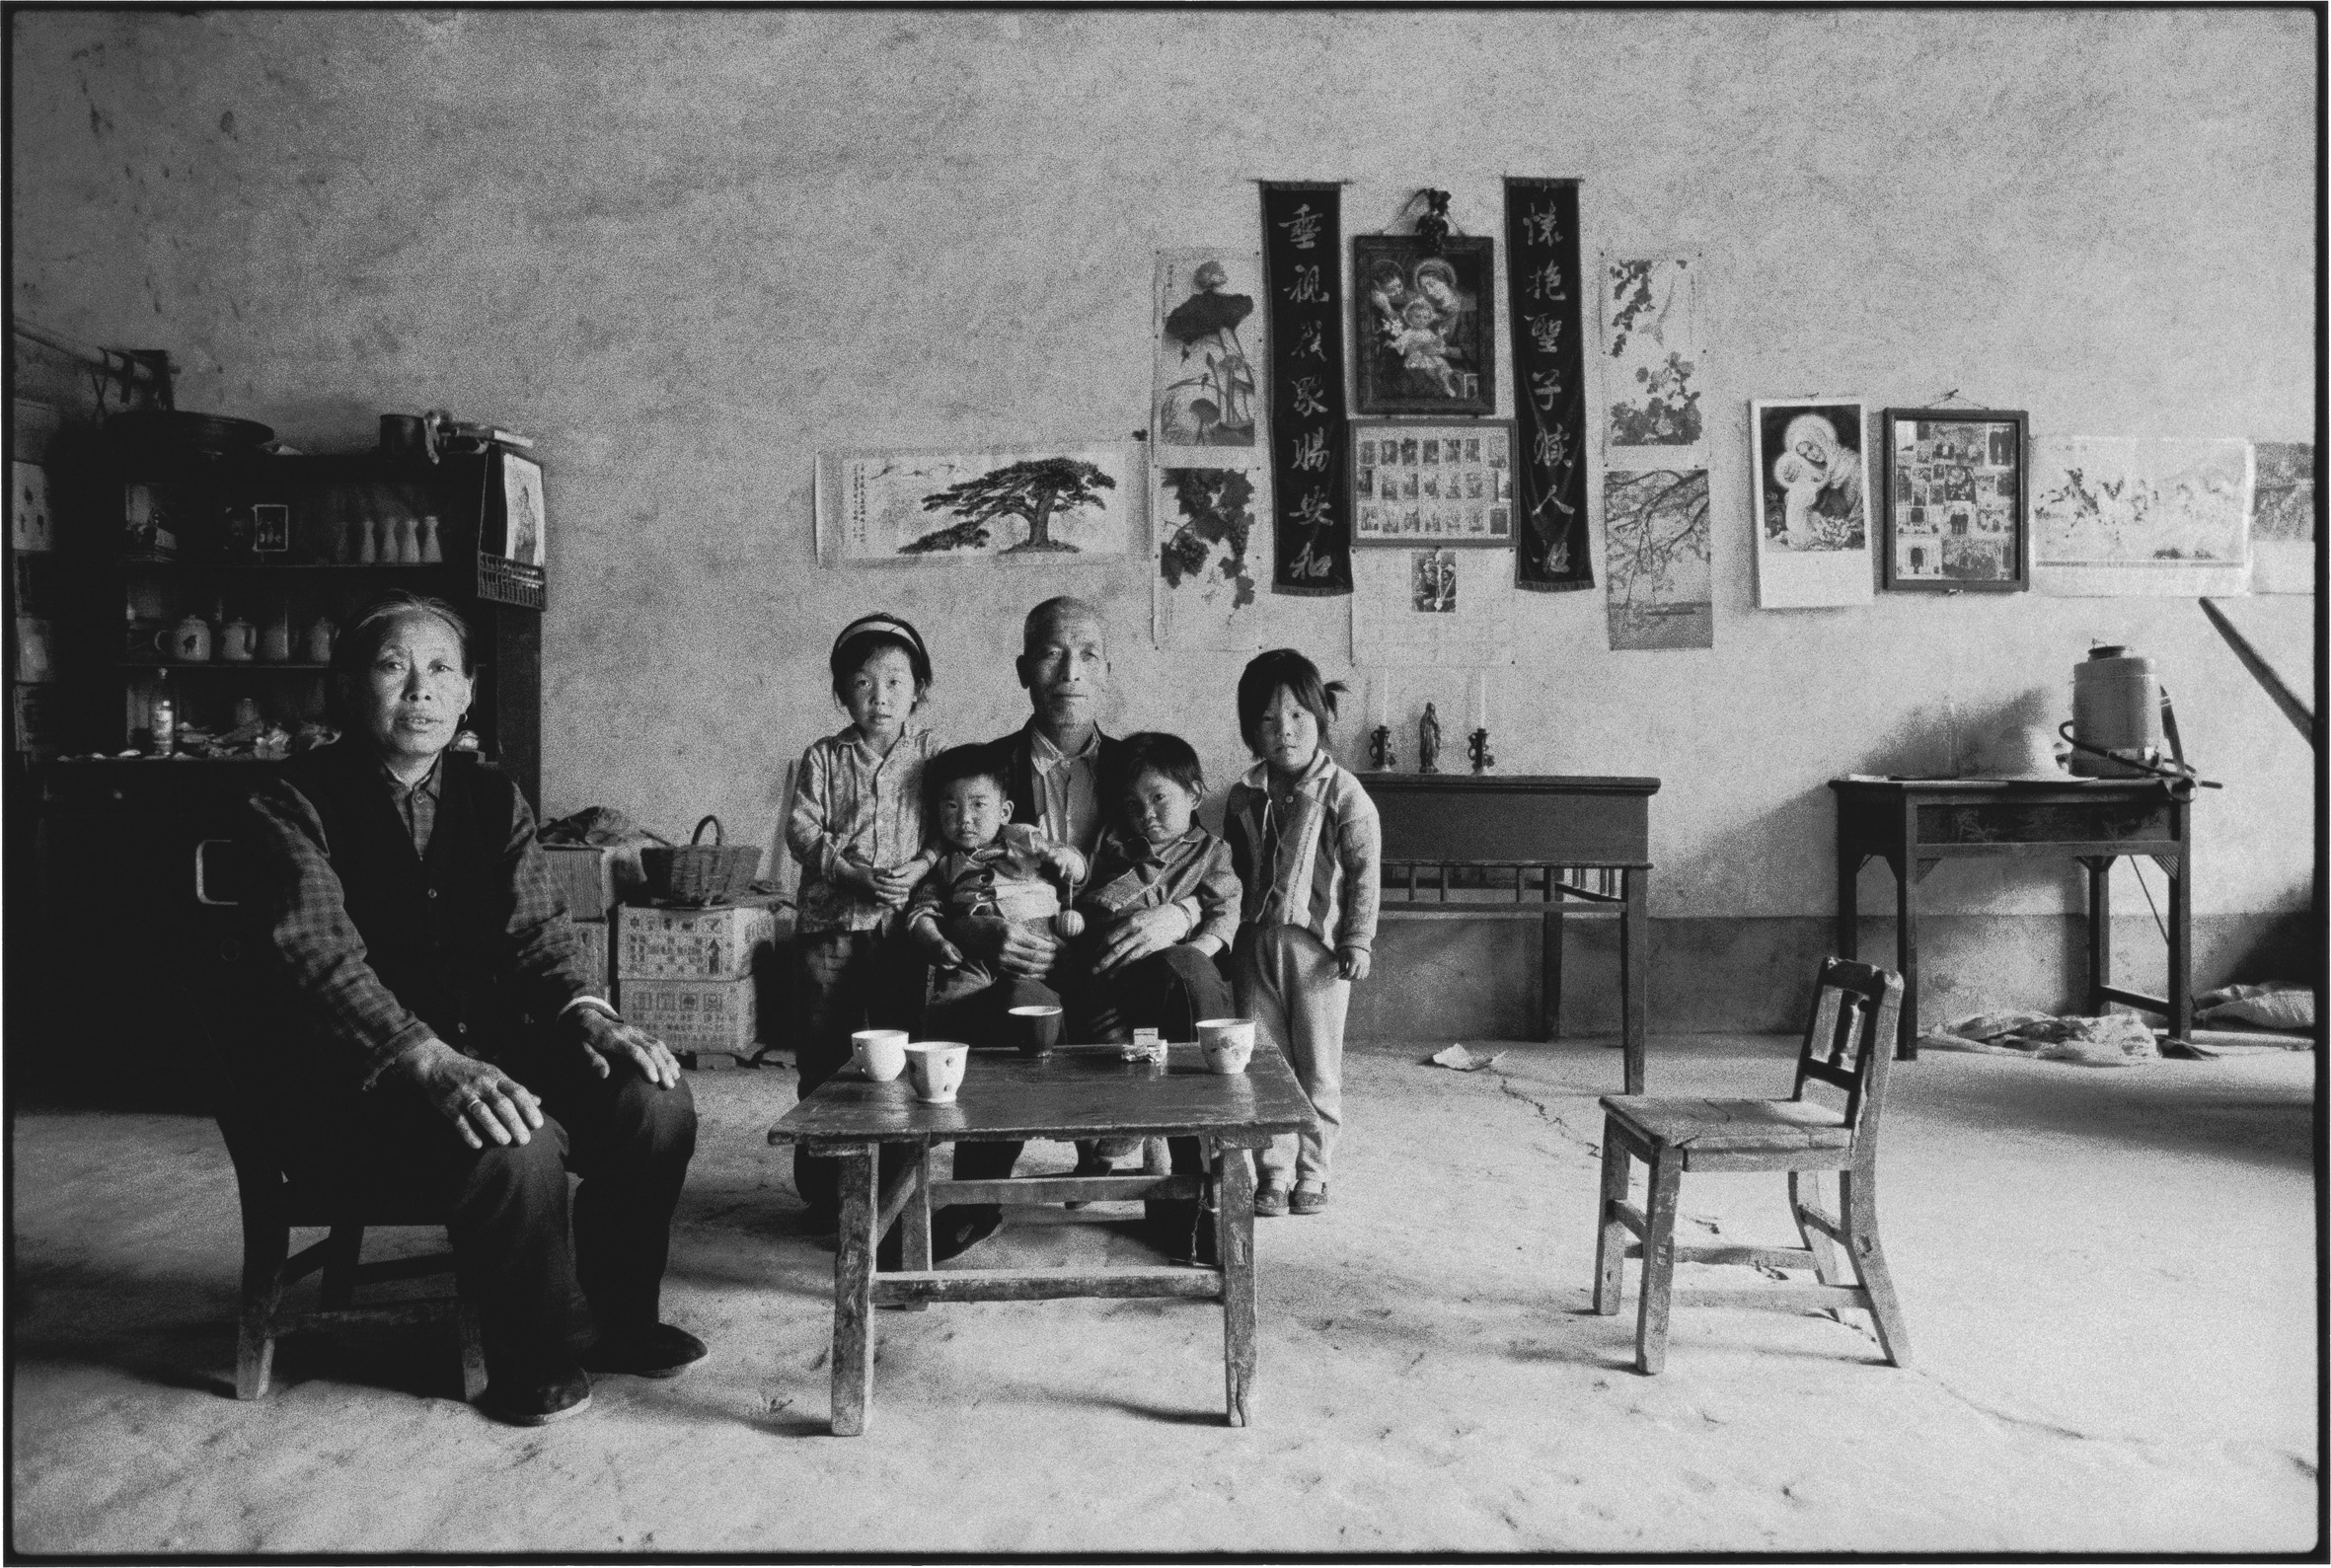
1016	949
1351	963
606	1041
1134	937
482	1102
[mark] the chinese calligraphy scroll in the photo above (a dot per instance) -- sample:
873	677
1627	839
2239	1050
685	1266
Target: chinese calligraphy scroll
1302	236
1544	295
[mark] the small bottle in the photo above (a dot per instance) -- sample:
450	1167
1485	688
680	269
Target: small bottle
165	722
432	551
367	550
402	548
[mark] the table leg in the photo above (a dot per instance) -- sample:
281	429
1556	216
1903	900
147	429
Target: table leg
2100	930
854	1294
914	1226
1235	1243
1905	956
2181	944
1549	974
1848	939
1634	971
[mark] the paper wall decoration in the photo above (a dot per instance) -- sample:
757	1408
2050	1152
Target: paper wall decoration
1303	248
1206	401
1545	296
2118	515
1049	506
1419	482
1432	606
1655	359
2282	518
1212	551
1812	501
1656	559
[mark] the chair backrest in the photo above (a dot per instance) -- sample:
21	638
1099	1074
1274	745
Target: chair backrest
1849	1040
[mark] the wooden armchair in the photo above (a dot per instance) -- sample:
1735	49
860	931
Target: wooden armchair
1849	1049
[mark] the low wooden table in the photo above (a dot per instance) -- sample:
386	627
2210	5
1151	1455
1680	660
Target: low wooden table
1914	825
1537	836
1079	1092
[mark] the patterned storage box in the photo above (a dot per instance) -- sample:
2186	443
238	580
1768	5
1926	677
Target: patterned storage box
690	943
695	1015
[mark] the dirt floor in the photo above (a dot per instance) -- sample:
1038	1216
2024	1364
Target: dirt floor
2109	1277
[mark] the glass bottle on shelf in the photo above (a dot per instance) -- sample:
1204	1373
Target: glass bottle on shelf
367	545
432	549
274	644
163	718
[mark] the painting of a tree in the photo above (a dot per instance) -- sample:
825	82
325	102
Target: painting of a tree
1035	491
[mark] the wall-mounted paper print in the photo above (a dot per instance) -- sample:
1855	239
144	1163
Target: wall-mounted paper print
1422	325
2123	515
1213	549
1055	506
1424	482
1656	559
1417	608
1813	515
2283	519
1207	393
1954	503
1655	359
525	541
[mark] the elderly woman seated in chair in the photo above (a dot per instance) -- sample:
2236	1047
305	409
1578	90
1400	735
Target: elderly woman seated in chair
431	1028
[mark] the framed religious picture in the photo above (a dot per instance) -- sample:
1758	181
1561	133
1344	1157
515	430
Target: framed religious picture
1956	518
1423	326
1437	483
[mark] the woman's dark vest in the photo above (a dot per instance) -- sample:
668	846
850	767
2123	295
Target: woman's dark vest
435	926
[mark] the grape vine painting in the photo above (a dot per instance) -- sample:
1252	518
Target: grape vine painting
1207	523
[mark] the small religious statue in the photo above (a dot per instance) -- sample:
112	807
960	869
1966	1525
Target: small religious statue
1428	742
1478	743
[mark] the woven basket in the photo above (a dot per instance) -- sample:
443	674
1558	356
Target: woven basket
699	873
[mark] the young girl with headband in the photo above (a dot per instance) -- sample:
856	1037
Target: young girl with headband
856	826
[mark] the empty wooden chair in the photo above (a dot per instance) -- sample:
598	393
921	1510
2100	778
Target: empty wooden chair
1849	1048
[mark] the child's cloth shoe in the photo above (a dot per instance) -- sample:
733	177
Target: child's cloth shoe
1270	1200
1309	1197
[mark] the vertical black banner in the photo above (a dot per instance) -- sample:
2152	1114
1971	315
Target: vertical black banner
1311	484
1544	294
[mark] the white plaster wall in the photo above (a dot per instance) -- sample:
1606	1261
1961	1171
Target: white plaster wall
689	250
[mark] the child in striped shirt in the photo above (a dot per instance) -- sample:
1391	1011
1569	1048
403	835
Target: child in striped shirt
856	826
1304	838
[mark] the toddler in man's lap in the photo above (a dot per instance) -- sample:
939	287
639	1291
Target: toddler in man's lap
990	866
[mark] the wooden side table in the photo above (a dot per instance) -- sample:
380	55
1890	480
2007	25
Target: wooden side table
1529	836
1915	824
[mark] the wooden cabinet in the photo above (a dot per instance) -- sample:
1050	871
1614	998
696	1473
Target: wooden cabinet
275	541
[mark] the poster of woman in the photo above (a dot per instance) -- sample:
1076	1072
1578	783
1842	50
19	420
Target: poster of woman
1812	502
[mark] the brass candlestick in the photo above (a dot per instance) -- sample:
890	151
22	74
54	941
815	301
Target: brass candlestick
1478	743
1381	755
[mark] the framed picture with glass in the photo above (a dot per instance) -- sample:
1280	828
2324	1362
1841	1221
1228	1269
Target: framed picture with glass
1432	482
1957	518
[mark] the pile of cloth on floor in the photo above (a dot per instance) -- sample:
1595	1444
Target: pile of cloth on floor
2276	1005
2113	1040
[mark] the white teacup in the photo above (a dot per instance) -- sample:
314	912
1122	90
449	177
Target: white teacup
935	1069
881	1053
1226	1042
